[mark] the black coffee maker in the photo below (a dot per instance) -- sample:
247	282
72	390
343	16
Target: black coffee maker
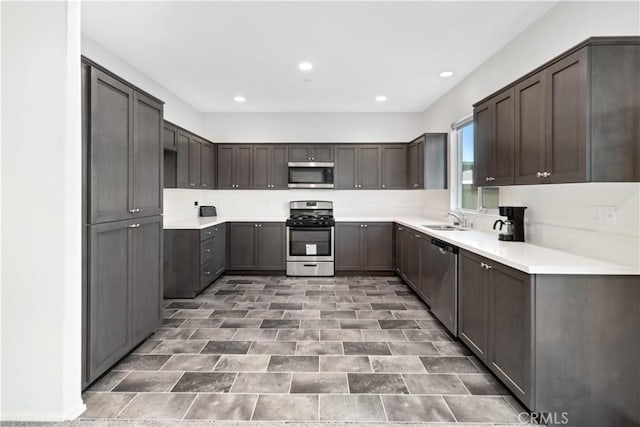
514	224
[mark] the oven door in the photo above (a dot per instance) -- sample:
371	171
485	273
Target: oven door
310	243
310	175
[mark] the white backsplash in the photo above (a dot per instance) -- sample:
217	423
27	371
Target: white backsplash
179	203
560	217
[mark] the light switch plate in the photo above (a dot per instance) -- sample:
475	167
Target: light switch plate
610	215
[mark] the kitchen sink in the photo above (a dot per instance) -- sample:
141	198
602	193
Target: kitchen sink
442	227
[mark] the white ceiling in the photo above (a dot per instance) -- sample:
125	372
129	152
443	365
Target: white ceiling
208	52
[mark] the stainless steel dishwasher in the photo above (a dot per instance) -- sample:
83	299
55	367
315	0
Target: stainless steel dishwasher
444	284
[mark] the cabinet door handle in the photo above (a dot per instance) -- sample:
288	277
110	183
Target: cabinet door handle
192	184
417	236
400	228
360	225
134	226
383	186
209	233
132	210
255	225
204	185
260	225
539	174
365	226
207	250
547	174
208	273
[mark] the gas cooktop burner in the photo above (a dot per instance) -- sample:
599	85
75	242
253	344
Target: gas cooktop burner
311	222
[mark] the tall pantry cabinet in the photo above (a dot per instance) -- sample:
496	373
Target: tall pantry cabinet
122	218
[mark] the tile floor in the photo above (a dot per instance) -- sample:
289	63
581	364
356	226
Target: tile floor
344	349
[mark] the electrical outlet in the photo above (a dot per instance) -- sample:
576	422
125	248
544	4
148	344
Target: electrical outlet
610	215
195	204
596	214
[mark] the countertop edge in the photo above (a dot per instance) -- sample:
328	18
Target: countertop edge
605	268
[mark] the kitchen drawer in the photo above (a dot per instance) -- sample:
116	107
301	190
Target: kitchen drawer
207	274
208	233
206	250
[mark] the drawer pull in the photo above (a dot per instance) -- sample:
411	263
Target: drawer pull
208	273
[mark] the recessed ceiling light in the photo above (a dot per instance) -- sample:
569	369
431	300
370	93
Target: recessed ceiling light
305	66
381	98
446	74
239	99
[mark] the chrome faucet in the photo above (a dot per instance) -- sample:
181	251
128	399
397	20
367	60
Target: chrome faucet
461	220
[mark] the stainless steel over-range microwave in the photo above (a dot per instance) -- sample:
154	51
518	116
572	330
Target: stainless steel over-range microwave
311	175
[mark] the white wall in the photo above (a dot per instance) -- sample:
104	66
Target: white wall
178	204
41	202
312	127
558	216
175	109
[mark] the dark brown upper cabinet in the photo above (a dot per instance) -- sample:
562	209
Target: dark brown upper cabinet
182	160
435	167
270	167
125	151
530	129
192	164
551	114
208	165
357	167
415	163
170	136
147	156
195	162
575	119
393	172
364	246
235	166
494	140
311	152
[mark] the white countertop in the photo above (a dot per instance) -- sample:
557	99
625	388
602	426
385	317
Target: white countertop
200	223
532	259
525	257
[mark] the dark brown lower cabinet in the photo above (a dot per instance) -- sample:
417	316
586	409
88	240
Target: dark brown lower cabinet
495	312
364	247
424	284
400	263
124	294
472	303
193	259
510	312
256	246
413	260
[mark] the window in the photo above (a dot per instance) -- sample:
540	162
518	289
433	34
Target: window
466	195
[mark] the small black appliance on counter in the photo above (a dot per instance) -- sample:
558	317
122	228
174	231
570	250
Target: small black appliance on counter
208	211
514	225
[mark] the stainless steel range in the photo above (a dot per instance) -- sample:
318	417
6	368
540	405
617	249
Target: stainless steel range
310	238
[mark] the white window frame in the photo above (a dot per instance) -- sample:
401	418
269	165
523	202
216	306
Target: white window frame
456	171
